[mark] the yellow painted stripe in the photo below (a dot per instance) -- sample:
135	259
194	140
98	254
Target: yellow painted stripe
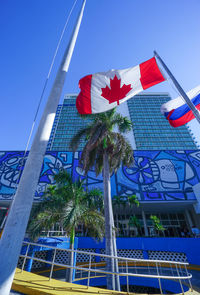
194	267
99	264
33	284
48	270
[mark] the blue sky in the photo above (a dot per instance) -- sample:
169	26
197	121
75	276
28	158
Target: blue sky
114	34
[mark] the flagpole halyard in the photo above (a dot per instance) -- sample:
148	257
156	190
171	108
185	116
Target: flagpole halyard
179	88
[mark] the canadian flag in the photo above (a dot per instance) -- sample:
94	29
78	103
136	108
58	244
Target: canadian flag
103	91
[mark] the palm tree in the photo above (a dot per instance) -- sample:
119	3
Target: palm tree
133	221
117	203
133	201
157	225
67	204
106	150
122	201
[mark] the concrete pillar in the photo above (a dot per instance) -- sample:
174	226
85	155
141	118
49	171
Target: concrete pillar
189	220
145	224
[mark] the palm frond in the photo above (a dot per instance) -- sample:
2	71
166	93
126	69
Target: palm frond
45	219
99	163
95	224
78	136
66	203
62	178
125	126
133	200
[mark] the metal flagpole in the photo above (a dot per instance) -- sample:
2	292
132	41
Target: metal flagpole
180	89
15	227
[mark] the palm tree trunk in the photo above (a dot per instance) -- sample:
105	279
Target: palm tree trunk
70	271
116	265
117	280
108	222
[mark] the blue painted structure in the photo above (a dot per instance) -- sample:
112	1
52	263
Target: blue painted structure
61	243
157	176
189	246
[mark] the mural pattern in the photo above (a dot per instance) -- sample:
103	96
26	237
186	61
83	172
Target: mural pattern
155	175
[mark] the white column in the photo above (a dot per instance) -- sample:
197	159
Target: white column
189	220
196	190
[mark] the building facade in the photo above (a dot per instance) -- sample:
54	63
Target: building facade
151	131
165	176
66	124
150	128
163	181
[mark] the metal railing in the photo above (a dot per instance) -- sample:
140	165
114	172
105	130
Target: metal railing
128	267
54	233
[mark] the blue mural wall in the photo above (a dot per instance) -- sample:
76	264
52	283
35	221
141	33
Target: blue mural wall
155	176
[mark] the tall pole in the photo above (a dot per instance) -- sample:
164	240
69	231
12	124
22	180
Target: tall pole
180	89
15	227
108	223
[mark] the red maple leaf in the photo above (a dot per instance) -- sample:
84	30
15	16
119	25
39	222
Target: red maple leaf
115	92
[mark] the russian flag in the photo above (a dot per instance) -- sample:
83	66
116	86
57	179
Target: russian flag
177	112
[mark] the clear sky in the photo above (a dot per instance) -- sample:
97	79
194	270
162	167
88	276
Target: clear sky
114	34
